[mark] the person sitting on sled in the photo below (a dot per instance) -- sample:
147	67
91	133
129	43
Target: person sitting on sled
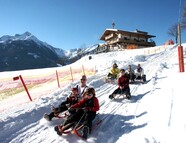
139	72
123	85
131	73
114	72
83	86
70	100
86	112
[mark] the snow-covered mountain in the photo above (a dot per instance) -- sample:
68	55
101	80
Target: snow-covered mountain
28	52
25	51
24	36
28	36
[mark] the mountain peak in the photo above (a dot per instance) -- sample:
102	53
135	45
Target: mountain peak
25	36
27	33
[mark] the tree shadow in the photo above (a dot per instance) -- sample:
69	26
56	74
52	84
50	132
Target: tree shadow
115	126
150	141
133	99
20	121
24	119
138	97
147	81
140	82
110	130
161	77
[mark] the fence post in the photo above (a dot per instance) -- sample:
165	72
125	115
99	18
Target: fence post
181	59
25	87
180	51
71	74
57	79
83	70
94	69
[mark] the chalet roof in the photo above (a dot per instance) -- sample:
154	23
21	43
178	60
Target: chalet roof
135	33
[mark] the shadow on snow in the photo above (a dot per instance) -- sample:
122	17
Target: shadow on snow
138	97
111	128
115	126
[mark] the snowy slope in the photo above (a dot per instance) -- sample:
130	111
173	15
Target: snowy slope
29	36
154	114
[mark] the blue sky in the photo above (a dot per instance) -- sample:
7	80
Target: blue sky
70	24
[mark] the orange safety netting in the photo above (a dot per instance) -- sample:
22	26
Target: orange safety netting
39	82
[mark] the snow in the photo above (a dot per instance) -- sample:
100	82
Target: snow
155	113
34	55
24	36
29	36
91	48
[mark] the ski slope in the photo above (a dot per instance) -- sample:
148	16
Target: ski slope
155	113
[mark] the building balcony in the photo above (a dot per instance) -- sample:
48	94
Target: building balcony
131	41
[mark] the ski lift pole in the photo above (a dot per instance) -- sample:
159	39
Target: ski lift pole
180	51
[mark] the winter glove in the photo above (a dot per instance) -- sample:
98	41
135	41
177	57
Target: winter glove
86	109
121	87
71	110
53	109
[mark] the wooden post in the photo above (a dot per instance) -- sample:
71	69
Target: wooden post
180	52
83	70
181	59
95	70
57	79
71	74
25	87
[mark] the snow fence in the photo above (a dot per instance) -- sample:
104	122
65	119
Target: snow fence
16	86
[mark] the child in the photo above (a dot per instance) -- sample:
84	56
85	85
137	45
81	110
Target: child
72	99
114	72
88	106
123	85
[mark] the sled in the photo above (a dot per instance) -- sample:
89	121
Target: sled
63	115
141	78
73	128
118	96
111	80
125	94
65	129
78	131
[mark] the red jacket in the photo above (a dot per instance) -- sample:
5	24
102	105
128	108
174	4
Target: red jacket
123	81
90	104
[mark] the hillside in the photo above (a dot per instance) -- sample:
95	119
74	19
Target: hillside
25	51
154	114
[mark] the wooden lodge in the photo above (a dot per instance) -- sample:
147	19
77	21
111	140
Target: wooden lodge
118	40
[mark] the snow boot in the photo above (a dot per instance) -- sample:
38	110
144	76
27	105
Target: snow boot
144	78
47	117
58	130
85	132
128	95
111	96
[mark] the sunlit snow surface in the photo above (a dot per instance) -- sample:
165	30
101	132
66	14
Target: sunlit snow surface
155	113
